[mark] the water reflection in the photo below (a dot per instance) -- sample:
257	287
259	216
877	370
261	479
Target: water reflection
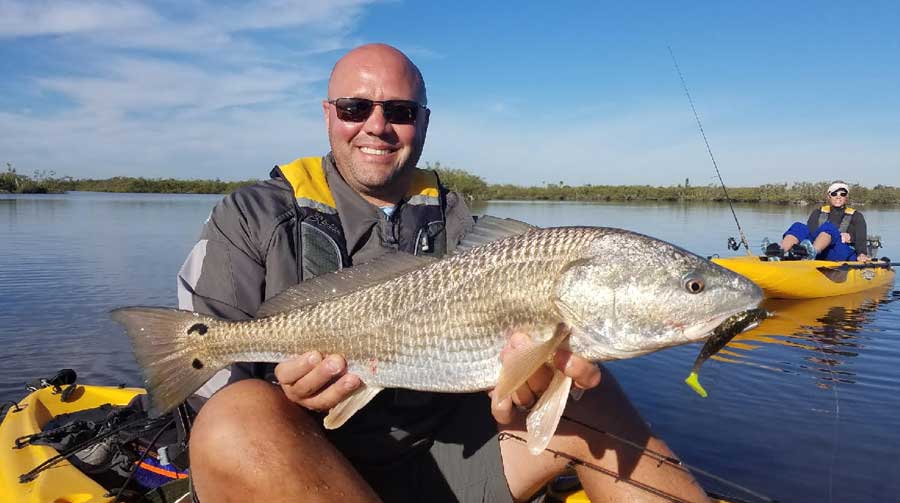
828	329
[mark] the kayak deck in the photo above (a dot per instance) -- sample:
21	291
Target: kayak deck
807	279
63	483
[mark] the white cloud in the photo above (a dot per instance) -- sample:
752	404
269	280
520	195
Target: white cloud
197	88
161	88
49	17
651	145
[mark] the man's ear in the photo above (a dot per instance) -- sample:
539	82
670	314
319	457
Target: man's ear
424	124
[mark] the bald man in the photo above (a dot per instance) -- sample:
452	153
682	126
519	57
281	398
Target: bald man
258	441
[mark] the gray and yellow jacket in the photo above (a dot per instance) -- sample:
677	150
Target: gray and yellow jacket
304	221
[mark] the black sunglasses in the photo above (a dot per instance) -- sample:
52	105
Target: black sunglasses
836	193
359	109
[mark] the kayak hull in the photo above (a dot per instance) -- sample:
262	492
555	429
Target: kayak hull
63	483
806	279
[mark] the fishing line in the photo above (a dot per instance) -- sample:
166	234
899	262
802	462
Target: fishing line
837	416
659	457
670	460
709	150
574	460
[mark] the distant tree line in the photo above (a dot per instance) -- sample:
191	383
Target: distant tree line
158	185
44	182
475	188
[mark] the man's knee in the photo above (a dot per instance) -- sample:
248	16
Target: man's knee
242	419
799	230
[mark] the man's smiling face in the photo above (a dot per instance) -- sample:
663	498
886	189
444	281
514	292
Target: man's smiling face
375	157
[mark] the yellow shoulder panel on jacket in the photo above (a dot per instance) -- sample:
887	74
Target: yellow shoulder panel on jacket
849	211
826	209
307	176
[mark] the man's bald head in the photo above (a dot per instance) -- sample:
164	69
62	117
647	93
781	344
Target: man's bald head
374	155
365	58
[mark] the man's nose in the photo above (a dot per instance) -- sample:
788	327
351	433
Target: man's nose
376	124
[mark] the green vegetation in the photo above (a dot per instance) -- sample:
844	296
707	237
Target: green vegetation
158	185
475	188
796	193
42	182
47	183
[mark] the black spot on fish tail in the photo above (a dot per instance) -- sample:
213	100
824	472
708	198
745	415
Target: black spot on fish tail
200	328
197	364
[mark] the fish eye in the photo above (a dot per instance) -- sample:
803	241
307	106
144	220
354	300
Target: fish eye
693	283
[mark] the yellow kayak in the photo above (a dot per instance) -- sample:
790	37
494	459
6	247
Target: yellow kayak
808	279
63	483
796	322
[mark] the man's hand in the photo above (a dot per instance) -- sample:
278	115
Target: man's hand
584	374
845	237
314	382
862	257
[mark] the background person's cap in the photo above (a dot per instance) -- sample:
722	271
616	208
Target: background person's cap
838	185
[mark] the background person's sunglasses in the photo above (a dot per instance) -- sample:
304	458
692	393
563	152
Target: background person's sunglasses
839	193
359	109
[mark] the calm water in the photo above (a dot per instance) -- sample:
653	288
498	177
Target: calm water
804	408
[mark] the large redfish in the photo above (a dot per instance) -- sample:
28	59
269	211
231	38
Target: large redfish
439	325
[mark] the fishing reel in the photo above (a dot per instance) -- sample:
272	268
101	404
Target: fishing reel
873	243
65	377
733	244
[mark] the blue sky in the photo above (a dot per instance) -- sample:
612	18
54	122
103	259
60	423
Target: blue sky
523	93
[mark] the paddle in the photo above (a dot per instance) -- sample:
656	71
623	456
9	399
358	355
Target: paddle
868	265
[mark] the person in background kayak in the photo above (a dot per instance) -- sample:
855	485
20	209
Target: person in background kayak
258	441
833	232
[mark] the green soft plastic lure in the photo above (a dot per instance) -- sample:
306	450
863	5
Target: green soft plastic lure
719	338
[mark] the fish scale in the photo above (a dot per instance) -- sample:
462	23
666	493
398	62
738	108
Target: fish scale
439	325
400	339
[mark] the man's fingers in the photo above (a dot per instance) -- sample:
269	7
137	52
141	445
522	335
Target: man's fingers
310	383
502	411
540	380
584	374
289	371
332	394
524	397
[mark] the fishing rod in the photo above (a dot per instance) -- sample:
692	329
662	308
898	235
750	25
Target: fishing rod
660	458
709	150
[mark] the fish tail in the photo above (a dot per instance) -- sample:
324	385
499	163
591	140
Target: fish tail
168	346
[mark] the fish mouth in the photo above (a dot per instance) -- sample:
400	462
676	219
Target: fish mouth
705	328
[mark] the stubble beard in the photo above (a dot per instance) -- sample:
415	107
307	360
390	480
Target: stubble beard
376	181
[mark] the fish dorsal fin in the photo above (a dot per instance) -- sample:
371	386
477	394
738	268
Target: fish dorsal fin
338	284
489	228
544	417
343	411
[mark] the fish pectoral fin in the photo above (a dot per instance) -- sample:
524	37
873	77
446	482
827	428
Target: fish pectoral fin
520	365
340	413
544	417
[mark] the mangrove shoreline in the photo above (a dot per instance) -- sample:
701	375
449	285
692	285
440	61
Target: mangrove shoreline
476	189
